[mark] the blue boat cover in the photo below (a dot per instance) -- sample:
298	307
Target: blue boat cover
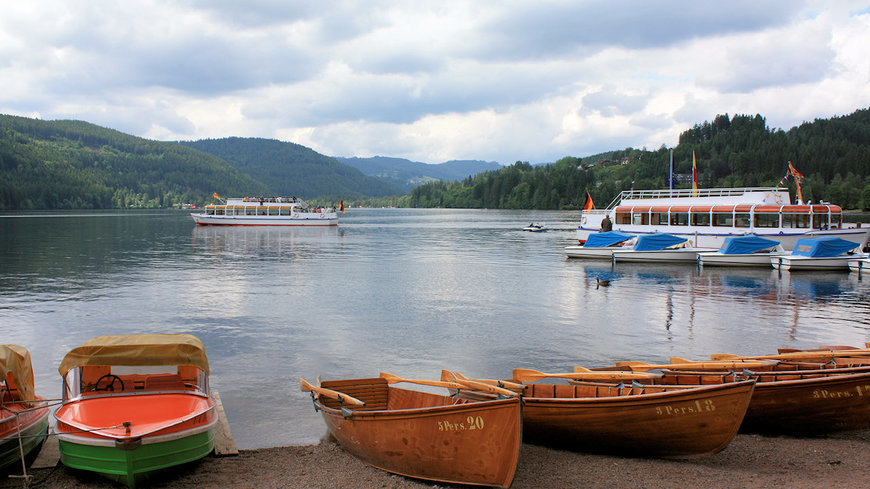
656	241
823	247
608	238
744	245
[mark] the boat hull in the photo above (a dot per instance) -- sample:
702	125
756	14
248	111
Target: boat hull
680	423
712	259
592	253
803	402
133	466
33	428
466	443
681	255
165	429
800	262
328	219
860	266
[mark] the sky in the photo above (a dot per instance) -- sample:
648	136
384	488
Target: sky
433	81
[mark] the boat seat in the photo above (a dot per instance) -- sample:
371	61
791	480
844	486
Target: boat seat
165	382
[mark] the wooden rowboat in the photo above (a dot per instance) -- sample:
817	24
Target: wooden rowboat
422	435
789	399
23	414
134	405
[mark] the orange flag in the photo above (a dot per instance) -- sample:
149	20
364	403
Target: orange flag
341	206
215	195
694	172
794	172
589	205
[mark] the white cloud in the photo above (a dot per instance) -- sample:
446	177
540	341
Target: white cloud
501	81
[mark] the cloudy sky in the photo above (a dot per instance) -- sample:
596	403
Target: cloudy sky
432	81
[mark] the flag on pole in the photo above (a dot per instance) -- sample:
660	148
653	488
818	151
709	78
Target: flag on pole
341	206
215	195
589	205
694	172
794	172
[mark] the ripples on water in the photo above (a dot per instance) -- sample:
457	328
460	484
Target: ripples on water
398	290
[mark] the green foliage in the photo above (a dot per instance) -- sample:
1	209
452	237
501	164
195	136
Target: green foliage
739	151
77	165
292	169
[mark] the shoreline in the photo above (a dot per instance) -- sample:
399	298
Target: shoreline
749	461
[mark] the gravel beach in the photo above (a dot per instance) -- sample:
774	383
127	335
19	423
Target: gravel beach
750	461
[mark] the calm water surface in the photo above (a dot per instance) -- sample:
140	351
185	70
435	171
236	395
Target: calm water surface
405	291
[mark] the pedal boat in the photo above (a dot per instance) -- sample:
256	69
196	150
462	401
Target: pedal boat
821	253
659	248
601	245
743	251
23	414
134	405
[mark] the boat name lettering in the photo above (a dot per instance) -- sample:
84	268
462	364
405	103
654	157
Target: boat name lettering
694	407
471	423
860	391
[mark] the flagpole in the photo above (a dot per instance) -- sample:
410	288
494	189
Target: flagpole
671	175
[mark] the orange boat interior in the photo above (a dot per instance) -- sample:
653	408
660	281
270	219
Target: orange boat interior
379	395
579	389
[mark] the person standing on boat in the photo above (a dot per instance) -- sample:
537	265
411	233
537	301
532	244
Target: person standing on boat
606	224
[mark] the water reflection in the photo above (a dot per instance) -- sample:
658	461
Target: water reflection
409	291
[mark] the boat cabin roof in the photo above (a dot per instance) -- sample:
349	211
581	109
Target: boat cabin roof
17	370
138	350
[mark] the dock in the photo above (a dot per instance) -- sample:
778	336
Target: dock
224	443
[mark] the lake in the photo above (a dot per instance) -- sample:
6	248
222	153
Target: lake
405	291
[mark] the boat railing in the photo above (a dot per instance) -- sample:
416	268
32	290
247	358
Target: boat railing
687	192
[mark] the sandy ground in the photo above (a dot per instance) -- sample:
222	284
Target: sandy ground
750	461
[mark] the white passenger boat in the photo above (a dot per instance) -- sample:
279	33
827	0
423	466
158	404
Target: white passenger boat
861	265
743	251
707	216
601	245
821	253
272	211
659	248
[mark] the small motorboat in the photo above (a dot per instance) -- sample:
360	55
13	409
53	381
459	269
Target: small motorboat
659	248
417	434
23	414
819	253
601	245
743	251
861	265
134	405
535	227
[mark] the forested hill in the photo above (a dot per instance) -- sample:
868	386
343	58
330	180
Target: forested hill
407	174
739	151
292	169
75	164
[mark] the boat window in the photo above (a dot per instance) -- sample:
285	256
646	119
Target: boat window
836	220
723	219
262	210
285	211
250	211
700	219
640	218
209	211
820	221
741	220
658	218
796	220
623	218
766	220
218	212
679	218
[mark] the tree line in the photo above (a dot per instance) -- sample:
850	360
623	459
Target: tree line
833	155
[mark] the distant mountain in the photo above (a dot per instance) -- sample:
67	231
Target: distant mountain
407	174
293	169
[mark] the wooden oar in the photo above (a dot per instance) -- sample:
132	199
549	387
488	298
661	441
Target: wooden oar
580	373
678	363
513	388
338	396
798	355
456	384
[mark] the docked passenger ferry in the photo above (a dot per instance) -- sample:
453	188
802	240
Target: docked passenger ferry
271	211
707	216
